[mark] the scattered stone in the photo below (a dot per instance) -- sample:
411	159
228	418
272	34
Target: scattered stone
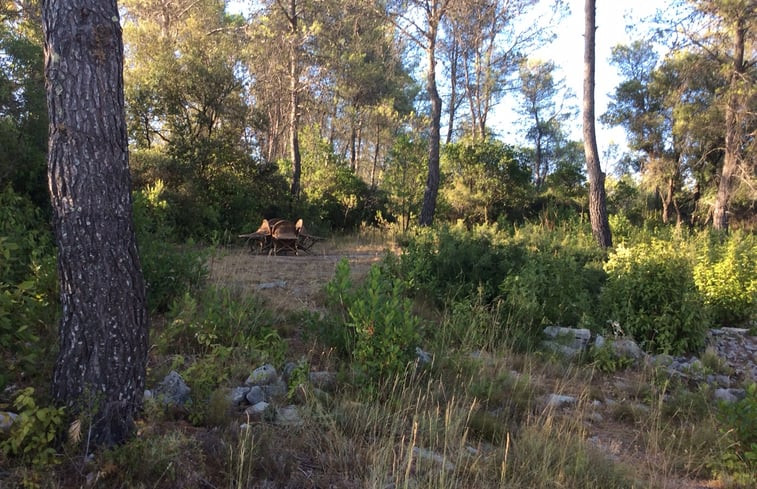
626	348
325	381
599	341
738	350
424	454
255	394
729	395
276	389
289	416
577	338
173	390
258	411
238	394
661	360
7	419
262	375
595	417
424	358
288	369
558	400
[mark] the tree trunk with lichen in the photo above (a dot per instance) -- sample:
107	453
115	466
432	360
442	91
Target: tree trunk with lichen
100	371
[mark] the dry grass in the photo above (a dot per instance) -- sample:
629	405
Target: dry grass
294	283
467	421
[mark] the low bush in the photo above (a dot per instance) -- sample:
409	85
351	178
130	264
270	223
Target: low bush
28	288
738	423
650	292
453	262
380	327
724	274
34	433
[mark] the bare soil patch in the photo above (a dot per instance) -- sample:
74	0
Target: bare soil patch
293	283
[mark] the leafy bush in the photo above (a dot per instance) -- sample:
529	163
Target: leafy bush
380	324
650	292
739	423
724	274
28	286
452	262
34	432
550	289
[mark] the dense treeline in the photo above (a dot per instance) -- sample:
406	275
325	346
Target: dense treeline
211	97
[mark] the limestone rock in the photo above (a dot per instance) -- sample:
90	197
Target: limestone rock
262	375
172	390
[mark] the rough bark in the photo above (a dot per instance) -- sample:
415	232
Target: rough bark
732	136
600	226
100	371
426	217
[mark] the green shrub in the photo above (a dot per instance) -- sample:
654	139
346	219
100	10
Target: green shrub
33	434
606	360
453	262
550	288
650	292
725	275
382	329
739	423
28	287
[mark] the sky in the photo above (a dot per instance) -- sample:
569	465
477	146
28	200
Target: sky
567	52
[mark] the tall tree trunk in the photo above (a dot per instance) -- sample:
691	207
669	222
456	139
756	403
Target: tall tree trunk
600	226
294	108
100	371
426	217
453	87
732	136
376	155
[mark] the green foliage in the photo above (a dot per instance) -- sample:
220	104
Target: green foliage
606	360
486	180
725	275
738	422
28	286
159	461
550	288
383	331
452	262
650	292
405	177
169	270
33	434
23	109
335	195
218	317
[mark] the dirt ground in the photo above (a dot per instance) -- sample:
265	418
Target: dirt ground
293	283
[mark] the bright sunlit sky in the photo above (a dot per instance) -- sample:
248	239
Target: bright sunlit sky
567	50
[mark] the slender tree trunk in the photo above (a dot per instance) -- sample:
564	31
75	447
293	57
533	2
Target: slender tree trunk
100	371
453	89
426	217
376	155
732	136
600	226
294	108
